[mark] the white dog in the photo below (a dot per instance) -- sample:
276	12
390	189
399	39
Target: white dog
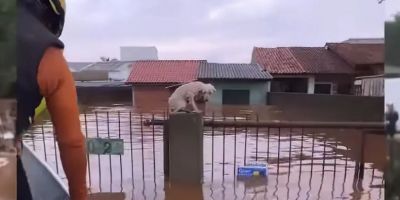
188	94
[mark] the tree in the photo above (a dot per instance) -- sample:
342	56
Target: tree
392	41
8	69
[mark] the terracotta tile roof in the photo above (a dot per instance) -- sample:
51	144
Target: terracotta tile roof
359	54
319	60
164	71
277	60
232	71
300	60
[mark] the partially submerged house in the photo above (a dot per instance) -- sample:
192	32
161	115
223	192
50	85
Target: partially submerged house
150	78
236	84
103	80
367	59
105	71
312	70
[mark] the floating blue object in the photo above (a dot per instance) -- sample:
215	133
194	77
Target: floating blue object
253	170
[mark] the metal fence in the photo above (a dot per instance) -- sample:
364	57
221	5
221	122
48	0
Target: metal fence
297	153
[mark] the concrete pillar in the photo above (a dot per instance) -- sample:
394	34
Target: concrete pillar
183	191
185	148
311	85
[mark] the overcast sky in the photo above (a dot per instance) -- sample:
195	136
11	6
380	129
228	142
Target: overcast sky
391	8
216	30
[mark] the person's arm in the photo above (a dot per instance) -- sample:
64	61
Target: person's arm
58	87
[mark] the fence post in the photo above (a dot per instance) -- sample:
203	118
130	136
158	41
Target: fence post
362	165
166	150
185	148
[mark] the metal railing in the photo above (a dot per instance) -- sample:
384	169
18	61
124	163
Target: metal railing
292	149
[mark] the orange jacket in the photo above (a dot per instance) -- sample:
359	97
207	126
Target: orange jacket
58	88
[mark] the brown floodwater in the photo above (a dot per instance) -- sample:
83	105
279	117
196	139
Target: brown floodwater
302	163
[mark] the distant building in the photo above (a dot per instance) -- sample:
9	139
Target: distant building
138	53
237	84
101	71
150	81
365	41
312	70
78	66
367	59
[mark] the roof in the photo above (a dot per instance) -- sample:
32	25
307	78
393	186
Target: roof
106	66
100	84
365	41
164	71
90	75
359	54
232	71
77	66
319	60
300	60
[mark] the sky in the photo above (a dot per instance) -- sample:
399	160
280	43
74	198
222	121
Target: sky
215	30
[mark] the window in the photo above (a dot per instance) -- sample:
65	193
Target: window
296	85
323	88
236	97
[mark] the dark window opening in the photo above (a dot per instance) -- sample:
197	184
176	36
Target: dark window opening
296	85
236	97
322	88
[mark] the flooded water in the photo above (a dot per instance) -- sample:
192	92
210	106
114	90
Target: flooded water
302	163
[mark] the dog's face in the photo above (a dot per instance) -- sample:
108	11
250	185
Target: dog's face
207	91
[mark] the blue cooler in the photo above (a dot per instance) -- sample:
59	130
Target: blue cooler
253	170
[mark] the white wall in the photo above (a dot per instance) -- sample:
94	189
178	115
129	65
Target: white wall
311	85
258	91
138	53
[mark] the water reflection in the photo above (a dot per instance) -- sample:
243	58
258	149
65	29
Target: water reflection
174	191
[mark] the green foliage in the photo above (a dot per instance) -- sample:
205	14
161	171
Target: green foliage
8	67
392	173
392	41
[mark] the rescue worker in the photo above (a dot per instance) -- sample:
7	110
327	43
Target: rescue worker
42	72
392	117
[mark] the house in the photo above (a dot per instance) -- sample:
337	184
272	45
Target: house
367	59
312	70
365	41
150	78
77	66
102	80
236	84
370	86
113	70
